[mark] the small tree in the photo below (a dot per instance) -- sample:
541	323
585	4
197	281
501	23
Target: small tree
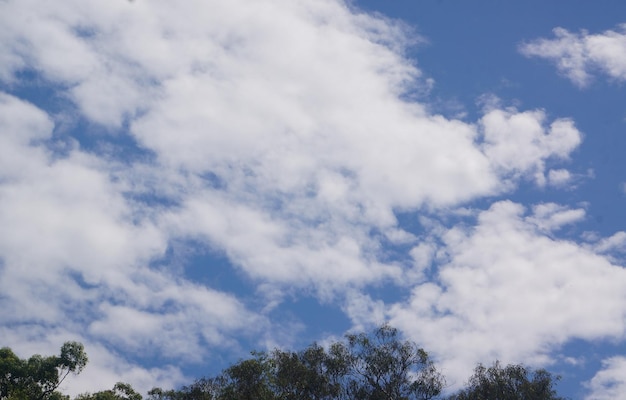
513	382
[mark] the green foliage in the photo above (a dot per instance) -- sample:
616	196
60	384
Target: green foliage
309	374
374	366
383	367
73	357
38	377
249	380
120	391
513	382
369	367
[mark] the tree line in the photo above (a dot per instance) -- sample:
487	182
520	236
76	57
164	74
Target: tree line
368	366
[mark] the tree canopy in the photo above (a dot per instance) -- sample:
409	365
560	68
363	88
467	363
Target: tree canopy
120	391
38	377
367	366
512	382
376	366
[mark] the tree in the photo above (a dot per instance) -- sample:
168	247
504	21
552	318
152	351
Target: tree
201	389
382	367
513	382
376	366
120	391
39	377
311	374
249	380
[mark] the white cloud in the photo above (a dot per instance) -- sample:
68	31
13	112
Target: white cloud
506	291
174	320
609	383
550	216
71	244
580	56
518	143
559	177
612	244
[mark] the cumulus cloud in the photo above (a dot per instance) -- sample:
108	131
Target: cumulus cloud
506	290
518	143
579	56
305	136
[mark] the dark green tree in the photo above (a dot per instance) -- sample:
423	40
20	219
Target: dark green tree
38	377
513	382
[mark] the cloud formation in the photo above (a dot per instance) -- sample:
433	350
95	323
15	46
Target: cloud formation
507	289
579	56
608	383
75	255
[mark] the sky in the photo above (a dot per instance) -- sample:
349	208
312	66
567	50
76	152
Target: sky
183	182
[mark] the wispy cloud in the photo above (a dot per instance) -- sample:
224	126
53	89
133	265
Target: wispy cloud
579	56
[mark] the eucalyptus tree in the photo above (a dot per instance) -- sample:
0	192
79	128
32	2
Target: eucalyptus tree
512	382
120	391
367	366
383	367
39	377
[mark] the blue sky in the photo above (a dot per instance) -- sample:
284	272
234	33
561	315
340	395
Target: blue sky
182	183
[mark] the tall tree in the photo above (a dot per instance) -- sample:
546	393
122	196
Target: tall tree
311	374
385	368
249	380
